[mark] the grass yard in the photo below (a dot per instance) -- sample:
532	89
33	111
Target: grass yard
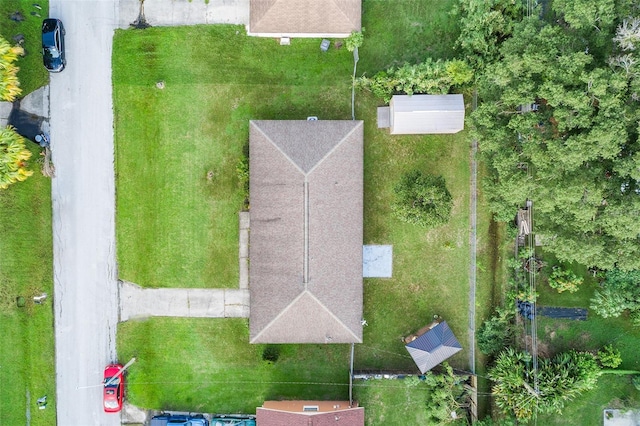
26	269
612	392
391	402
431	268
208	365
406	31
177	148
32	74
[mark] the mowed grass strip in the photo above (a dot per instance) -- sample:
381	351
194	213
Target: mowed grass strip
32	73
208	365
26	270
392	402
177	148
406	31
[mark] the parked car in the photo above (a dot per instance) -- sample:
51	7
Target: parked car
167	419
233	420
53	45
113	388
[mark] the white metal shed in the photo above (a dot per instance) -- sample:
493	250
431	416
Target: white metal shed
426	114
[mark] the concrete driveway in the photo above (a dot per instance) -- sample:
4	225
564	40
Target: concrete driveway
185	12
85	276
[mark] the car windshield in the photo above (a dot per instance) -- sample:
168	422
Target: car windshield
113	383
55	53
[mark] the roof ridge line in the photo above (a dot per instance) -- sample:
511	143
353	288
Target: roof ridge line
342	11
298	297
276	145
282	312
330	152
331	314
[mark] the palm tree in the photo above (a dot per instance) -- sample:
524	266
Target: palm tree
13	157
9	84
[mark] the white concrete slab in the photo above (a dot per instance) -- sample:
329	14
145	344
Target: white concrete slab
377	261
164	13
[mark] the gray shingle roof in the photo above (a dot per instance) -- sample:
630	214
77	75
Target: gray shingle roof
306	182
300	17
433	347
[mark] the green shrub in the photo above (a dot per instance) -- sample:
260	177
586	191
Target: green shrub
564	280
609	356
635	380
270	354
422	200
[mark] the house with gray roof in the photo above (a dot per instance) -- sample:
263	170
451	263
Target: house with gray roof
305	253
304	18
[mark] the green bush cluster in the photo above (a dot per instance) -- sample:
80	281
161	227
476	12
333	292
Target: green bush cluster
422	199
430	76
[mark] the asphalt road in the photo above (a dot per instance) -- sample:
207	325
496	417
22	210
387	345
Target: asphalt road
85	276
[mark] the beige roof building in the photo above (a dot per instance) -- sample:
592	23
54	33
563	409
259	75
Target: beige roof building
309	413
423	114
304	18
305	278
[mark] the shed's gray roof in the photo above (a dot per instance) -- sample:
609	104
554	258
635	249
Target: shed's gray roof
426	114
433	347
304	17
306	182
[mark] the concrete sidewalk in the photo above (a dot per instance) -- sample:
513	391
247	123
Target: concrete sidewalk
137	302
163	13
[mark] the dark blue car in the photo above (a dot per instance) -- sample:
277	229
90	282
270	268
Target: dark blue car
53	45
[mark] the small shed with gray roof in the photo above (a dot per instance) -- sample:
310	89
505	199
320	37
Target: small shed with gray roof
432	347
305	253
422	114
304	18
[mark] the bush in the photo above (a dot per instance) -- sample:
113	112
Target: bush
355	39
635	380
564	280
495	333
13	158
422	200
270	354
609	357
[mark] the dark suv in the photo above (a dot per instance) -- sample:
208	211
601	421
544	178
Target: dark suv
53	45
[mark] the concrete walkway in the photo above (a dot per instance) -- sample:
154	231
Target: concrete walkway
185	12
138	302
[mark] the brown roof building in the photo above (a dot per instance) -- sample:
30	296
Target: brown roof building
309	413
304	18
306	183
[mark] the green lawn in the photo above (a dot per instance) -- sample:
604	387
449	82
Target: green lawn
431	268
612	392
26	265
391	402
32	74
177	149
406	31
208	365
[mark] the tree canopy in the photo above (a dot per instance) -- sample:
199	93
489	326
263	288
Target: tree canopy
523	392
558	123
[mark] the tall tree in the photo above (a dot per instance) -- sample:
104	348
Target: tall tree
522	391
576	153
